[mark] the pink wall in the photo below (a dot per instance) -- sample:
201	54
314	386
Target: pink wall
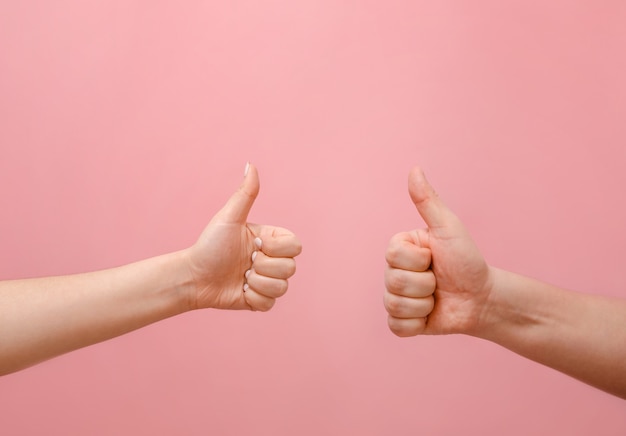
126	124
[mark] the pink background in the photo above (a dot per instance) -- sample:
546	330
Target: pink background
124	125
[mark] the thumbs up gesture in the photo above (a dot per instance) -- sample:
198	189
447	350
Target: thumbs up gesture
436	278
238	265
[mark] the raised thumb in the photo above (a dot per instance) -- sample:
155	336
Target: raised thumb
432	210
238	206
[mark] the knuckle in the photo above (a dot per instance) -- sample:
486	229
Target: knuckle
281	288
424	289
431	281
290	267
426	305
430	304
392	254
393	304
422	262
398	331
266	304
402	328
395	281
297	247
403	332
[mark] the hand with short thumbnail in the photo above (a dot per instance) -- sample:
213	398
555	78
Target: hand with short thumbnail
437	281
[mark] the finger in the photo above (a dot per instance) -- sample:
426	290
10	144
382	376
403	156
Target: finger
434	212
276	241
256	300
404	307
238	206
410	284
268	286
275	267
406	327
404	254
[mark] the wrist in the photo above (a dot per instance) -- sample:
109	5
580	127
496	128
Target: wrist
489	312
178	280
507	309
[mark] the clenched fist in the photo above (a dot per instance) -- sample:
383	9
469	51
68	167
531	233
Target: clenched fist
239	265
437	281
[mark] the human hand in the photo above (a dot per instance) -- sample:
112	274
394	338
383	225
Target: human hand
238	265
437	280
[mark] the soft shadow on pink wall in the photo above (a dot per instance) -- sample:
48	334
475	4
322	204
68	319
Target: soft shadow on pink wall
125	126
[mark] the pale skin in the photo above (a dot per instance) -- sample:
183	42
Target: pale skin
439	283
233	265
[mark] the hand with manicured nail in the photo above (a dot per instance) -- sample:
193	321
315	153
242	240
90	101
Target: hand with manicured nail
234	265
238	265
438	282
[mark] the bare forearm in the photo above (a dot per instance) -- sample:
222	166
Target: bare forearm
42	318
233	265
578	334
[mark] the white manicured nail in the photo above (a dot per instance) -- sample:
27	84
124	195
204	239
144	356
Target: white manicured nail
247	274
245	173
258	242
246	287
254	255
